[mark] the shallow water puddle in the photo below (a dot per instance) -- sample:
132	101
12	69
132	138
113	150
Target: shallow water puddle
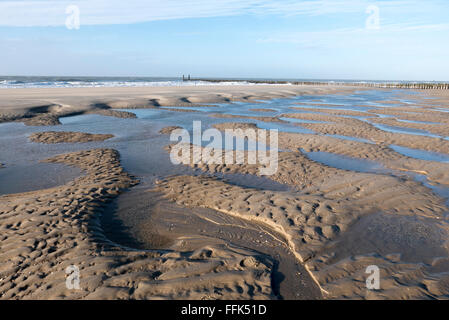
418	122
441	191
200	109
283	127
345	163
146	155
442	109
402	130
36	176
294	120
384	115
421	154
342	108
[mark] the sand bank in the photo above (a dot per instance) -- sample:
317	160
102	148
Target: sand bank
67	137
45	106
168	130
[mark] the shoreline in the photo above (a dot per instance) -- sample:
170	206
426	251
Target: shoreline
44	106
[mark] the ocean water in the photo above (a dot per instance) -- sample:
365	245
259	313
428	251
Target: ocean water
7	82
88	82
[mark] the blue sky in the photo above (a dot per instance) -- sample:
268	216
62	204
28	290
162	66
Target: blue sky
320	39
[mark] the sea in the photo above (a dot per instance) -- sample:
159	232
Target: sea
10	82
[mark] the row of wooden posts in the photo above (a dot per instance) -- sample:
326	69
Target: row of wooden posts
403	85
432	86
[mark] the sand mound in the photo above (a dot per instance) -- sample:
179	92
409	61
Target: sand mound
234	126
113	113
262	110
169	130
50	137
231	116
49	115
41	120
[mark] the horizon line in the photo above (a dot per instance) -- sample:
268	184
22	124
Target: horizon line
215	78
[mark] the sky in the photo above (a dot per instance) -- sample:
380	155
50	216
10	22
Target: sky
283	39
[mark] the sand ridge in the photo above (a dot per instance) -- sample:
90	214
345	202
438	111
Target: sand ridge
169	130
50	137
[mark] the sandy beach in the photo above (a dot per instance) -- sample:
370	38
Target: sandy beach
362	179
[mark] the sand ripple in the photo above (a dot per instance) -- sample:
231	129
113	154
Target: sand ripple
44	232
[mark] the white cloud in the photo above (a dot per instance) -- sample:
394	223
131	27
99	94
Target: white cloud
394	35
98	12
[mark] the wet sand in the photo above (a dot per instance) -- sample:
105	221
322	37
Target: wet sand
139	227
67	137
45	106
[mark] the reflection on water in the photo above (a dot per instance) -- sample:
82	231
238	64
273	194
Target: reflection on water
421	154
35	176
418	122
200	109
403	130
294	120
283	127
345	163
341	108
437	189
